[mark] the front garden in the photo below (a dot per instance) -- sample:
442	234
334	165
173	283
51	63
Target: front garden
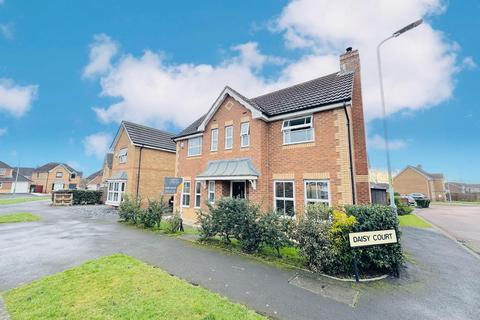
318	241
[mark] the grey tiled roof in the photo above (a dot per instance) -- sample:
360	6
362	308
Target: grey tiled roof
20	178
49	166
335	87
4	165
25	171
149	137
332	88
94	175
430	175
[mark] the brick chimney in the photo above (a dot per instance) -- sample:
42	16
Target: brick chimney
350	62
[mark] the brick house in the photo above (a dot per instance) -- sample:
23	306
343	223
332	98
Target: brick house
298	145
55	176
140	158
10	182
94	181
413	179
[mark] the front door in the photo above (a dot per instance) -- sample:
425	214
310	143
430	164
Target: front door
238	189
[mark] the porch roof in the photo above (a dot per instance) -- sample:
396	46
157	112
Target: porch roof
230	169
121	175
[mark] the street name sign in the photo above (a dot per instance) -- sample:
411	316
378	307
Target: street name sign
171	184
371	238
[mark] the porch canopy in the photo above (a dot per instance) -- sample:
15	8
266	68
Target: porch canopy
121	175
231	169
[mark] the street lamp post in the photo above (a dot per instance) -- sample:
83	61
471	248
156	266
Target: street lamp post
382	95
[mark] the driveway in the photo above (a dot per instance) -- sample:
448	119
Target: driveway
462	222
441	280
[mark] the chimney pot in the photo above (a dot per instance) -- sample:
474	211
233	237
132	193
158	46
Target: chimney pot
349	49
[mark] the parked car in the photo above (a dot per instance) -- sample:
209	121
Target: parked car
417	195
408	199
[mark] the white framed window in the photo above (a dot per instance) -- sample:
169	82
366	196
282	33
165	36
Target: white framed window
122	155
317	191
116	189
284	197
228	137
198	194
211	191
59	174
73	175
298	130
186	194
3	171
195	146
245	134
214	140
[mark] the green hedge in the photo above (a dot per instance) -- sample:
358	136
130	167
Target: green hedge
82	197
423	203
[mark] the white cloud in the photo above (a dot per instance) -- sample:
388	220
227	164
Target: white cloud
378	142
97	144
16	99
102	50
468	63
419	66
7	30
3	131
74	164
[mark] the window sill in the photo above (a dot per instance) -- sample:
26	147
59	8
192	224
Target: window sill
194	157
298	145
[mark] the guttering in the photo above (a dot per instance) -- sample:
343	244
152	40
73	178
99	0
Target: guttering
138	170
352	176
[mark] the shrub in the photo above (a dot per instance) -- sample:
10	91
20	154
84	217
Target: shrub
130	209
423	203
83	197
381	258
318	211
152	215
275	230
340	250
174	223
402	207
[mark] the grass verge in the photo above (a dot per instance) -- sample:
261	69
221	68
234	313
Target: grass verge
119	287
18	217
21	200
411	220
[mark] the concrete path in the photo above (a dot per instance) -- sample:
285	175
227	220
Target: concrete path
441	281
462	222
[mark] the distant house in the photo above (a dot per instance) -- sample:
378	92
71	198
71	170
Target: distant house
107	167
414	179
94	181
55	176
463	191
11	182
141	158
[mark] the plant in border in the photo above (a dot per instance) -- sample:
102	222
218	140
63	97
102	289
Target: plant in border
276	231
174	223
152	215
130	209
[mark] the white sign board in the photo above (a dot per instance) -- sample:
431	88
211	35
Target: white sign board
371	238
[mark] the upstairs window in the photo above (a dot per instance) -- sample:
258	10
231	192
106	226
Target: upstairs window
228	137
195	146
214	140
59	174
73	175
3	171
122	155
297	130
245	134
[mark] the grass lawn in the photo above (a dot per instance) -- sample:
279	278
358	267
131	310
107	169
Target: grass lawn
20	200
18	217
119	287
411	220
457	203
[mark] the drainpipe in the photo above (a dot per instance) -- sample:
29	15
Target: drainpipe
138	171
352	177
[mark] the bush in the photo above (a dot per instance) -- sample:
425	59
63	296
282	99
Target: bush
174	223
381	258
275	231
152	215
83	197
130	209
423	203
402	207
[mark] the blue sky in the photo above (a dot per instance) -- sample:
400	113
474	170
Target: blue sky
70	71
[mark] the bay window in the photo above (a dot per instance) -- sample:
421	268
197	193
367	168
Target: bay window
116	189
298	130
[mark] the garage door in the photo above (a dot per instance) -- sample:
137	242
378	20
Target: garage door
21	187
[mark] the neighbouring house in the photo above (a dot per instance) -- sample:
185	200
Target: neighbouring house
107	168
10	182
298	145
461	191
414	179
95	180
55	176
141	158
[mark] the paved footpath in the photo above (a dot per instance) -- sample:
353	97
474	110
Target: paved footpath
441	281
